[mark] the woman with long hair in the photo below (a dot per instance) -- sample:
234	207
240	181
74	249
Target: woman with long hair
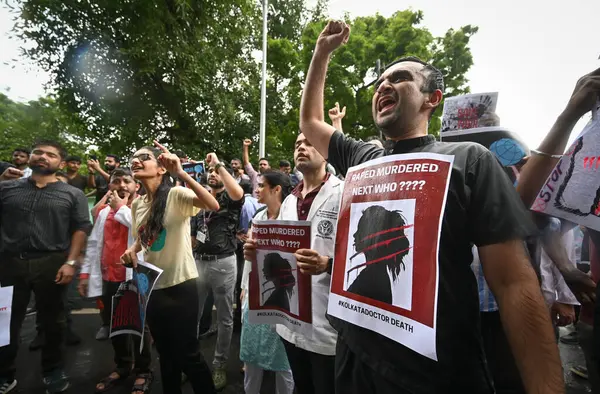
161	225
260	347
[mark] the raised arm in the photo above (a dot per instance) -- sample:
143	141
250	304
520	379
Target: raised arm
535	173
234	190
312	119
336	115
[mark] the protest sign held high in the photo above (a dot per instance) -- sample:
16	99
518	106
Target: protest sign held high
279	293
129	304
390	218
572	191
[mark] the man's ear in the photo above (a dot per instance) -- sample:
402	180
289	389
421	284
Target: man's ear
62	165
434	99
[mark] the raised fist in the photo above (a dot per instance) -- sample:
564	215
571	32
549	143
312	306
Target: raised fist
585	96
247	142
212	159
335	34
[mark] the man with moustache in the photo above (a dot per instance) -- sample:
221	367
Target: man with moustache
263	165
238	171
216	243
102	274
43	227
20	159
482	208
98	178
74	178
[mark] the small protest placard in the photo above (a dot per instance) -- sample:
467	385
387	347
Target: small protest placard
469	111
385	276
195	170
279	293
128	315
572	191
6	297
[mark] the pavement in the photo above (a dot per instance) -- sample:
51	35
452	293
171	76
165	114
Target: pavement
90	361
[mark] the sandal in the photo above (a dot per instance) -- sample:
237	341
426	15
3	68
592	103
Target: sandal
143	387
109	382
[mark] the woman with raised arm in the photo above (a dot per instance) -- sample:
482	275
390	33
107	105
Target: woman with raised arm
161	225
260	346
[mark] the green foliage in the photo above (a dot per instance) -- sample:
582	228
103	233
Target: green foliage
21	124
188	71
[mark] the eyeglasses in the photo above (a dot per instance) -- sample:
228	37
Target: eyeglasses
141	157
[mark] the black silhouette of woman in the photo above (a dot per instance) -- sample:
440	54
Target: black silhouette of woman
380	237
278	271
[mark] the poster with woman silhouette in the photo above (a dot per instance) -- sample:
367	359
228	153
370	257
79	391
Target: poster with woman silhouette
278	292
385	275
572	191
128	314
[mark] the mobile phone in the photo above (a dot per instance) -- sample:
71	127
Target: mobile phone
93	157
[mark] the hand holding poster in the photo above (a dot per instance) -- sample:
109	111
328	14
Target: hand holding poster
128	315
572	191
390	219
279	293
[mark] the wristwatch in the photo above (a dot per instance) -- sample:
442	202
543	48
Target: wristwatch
218	167
71	263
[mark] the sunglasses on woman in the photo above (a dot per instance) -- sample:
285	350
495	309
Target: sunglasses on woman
142	157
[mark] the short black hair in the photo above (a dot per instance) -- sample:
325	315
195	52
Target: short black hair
23	150
117	158
119	172
55	144
181	154
284	163
263	158
73	158
235	159
246	186
434	79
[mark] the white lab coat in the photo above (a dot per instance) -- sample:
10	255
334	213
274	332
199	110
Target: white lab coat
92	264
325	208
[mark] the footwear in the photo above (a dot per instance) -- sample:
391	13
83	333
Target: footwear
109	382
571	338
211	331
103	333
30	311
56	382
72	339
38	342
580	371
6	386
220	378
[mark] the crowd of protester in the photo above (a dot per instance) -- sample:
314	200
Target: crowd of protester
527	272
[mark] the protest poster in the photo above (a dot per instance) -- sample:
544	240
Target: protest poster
469	111
195	170
6	297
572	191
391	217
278	292
128	314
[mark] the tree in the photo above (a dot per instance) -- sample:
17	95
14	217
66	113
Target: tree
22	124
187	71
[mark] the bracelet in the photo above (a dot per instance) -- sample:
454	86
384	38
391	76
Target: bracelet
540	153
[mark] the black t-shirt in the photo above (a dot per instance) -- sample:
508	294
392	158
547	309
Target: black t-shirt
222	226
4	166
101	187
482	208
80	182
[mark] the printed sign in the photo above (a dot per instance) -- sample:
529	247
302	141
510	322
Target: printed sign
6	297
572	191
470	111
195	170
128	315
279	293
390	218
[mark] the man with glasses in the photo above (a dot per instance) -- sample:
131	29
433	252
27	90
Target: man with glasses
214	235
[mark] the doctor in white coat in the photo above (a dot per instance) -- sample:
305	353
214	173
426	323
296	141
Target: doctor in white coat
316	199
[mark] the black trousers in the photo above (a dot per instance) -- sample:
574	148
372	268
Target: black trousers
313	373
127	346
352	376
172	315
37	274
501	361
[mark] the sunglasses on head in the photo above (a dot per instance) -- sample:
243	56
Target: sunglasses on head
141	157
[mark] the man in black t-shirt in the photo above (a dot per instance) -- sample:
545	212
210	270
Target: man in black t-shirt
482	208
215	246
98	177
75	179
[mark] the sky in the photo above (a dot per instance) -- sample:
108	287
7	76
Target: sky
530	51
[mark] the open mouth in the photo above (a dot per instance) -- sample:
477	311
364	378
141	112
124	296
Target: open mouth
385	103
135	168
